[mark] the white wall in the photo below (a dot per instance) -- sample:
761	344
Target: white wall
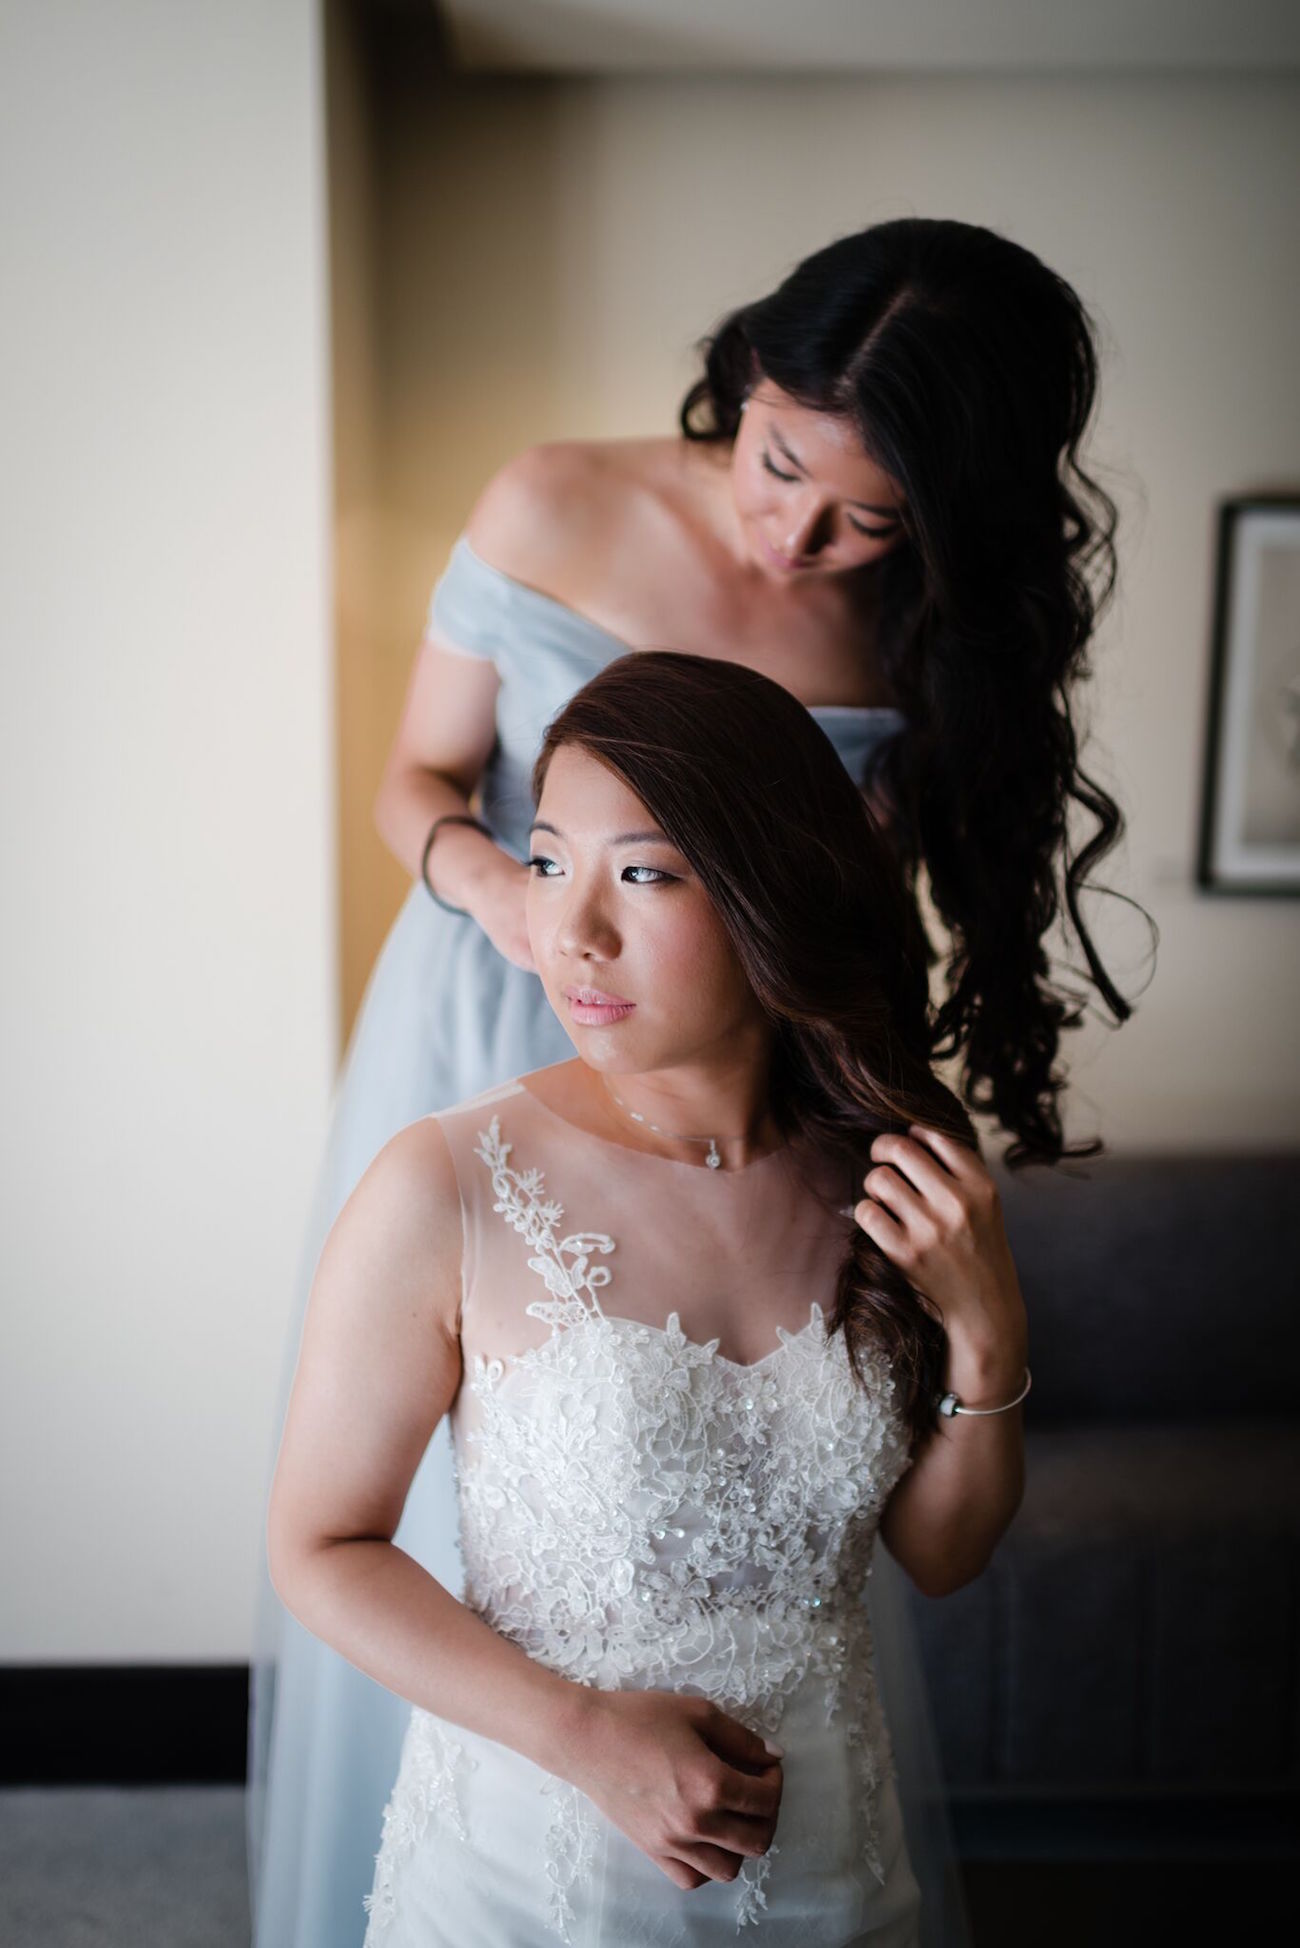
553	249
167	984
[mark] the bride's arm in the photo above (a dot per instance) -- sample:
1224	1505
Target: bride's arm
380	1365
933	1208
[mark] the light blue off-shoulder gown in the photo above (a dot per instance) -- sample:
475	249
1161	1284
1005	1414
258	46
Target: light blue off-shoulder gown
445	1017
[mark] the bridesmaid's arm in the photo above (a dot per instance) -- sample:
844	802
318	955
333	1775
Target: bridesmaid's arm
448	723
443	742
933	1208
446	735
379	1367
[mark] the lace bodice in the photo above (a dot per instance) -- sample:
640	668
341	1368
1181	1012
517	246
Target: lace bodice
638	1510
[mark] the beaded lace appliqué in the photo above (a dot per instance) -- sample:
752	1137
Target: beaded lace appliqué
425	1790
637	1512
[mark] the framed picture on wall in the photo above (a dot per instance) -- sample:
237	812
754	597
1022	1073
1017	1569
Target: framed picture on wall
1250	805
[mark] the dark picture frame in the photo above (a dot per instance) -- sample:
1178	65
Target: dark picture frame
1250	798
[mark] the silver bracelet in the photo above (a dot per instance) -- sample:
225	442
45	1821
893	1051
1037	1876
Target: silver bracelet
950	1404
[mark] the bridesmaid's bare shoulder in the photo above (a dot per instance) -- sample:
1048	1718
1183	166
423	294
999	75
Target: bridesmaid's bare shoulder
554	511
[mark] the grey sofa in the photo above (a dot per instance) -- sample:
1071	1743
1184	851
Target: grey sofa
1137	1635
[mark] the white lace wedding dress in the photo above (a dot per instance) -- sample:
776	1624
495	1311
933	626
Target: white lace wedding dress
668	1478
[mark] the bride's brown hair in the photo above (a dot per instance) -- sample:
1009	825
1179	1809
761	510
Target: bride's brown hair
746	784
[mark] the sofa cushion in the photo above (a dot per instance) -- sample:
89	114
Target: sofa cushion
1159	1288
1138	1626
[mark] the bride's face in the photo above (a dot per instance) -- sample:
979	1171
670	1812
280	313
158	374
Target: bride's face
633	957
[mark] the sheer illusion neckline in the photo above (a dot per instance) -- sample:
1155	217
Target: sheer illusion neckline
650	1156
673	1333
576	618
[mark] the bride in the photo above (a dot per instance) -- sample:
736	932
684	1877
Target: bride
707	1307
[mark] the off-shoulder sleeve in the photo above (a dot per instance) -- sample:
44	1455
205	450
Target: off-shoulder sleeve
467	611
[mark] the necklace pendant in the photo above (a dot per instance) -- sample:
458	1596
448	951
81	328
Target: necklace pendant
714	1159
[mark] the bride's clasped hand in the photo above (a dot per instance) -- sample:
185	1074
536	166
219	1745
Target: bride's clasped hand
689	1785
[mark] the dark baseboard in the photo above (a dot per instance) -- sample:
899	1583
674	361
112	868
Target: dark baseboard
123	1724
174	1724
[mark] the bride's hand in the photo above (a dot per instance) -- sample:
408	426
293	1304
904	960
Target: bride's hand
695	1790
933	1208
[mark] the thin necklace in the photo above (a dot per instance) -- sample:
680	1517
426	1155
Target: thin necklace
714	1158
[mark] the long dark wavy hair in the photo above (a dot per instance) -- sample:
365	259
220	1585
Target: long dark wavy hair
744	781
968	371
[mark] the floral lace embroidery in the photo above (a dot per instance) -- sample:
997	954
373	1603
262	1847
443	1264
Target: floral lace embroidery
425	1789
519	1198
571	1837
749	1882
637	1512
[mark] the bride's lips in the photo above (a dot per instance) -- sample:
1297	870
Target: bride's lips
591	1007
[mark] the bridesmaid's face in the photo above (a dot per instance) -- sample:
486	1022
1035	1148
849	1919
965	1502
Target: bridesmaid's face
634	959
810	499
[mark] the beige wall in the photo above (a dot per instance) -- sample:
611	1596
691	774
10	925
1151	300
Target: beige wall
167	984
371	882
551	250
529	261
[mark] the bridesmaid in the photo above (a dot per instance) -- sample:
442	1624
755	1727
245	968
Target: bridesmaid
875	498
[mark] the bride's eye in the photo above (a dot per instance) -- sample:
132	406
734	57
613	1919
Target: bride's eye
653	871
540	859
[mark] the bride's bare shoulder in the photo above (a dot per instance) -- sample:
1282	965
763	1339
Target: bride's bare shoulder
402	1223
551	505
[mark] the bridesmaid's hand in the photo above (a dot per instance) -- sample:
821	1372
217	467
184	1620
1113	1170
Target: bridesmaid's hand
694	1789
494	896
934	1210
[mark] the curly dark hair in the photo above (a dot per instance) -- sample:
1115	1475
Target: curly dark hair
969	371
748	786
